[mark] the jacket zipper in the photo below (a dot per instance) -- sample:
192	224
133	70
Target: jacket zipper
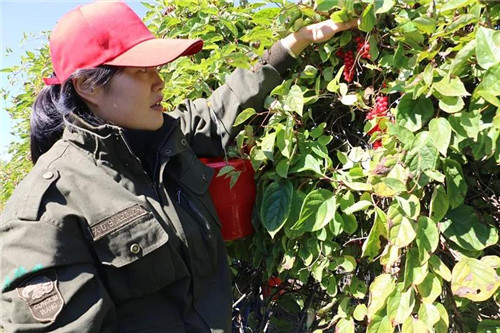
151	181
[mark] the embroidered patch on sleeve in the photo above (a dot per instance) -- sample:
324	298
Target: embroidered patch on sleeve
116	221
42	295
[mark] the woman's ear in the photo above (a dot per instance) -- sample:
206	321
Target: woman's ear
89	94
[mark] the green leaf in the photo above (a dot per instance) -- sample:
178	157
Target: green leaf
409	205
345	325
425	24
308	163
383	6
444	321
461	61
368	19
422	155
380	289
282	168
474	280
413	114
454	4
427	237
488	47
440	133
455	182
415	271
317	211
275	207
451	104
360	205
243	116
326	5
404	135
489	87
412	325
440	268
371	246
429	314
380	324
267	145
402	232
430	288
450	87
400	305
225	170
462	226
439	203
360	312
295	99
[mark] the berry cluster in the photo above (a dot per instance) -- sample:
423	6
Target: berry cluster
380	109
363	48
348	57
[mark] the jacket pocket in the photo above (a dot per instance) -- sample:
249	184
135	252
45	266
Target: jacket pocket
132	248
204	232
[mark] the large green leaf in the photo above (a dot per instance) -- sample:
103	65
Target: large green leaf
451	87
439	203
430	288
462	226
371	246
380	324
317	211
460	63
454	4
422	155
438	267
412	325
413	114
455	182
429	314
368	19
427	238
295	99
440	133
489	87
275	207
488	47
380	289
425	24
474	280
383	6
400	304
415	271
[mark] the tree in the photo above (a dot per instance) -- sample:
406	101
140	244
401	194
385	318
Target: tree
377	161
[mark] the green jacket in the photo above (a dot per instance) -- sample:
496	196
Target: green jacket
92	243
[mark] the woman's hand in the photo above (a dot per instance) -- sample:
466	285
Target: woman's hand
315	33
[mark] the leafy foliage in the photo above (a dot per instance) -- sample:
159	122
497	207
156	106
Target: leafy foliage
384	223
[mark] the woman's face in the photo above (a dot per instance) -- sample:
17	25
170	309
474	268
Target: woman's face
132	99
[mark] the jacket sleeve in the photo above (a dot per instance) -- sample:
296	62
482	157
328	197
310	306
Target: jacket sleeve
207	123
50	283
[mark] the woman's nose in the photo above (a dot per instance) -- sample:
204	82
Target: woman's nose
158	84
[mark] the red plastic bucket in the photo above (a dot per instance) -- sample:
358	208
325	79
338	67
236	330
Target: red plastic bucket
234	205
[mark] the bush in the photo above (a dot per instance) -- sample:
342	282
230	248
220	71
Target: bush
377	161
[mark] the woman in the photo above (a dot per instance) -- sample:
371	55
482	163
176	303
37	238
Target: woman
114	229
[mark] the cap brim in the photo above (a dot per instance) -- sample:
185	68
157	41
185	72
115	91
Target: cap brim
156	52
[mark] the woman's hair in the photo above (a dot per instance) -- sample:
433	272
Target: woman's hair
55	101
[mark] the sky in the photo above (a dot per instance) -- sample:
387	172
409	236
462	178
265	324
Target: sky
30	16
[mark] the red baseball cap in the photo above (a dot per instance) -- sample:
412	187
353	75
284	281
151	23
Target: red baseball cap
109	33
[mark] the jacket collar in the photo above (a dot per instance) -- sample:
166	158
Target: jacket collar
105	140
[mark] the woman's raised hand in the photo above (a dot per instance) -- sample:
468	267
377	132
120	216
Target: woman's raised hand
315	33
